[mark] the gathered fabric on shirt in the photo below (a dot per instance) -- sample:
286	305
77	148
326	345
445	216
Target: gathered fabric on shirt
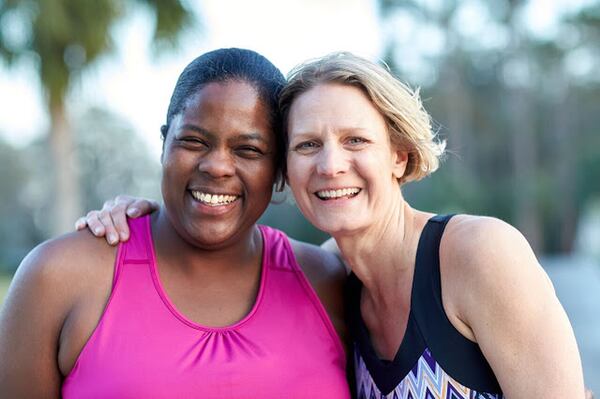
143	347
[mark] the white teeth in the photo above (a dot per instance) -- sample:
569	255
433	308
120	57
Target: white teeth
213	199
343	192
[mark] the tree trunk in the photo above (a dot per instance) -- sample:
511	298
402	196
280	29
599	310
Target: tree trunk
525	166
564	162
66	205
459	119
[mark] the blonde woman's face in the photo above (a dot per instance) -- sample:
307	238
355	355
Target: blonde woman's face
342	168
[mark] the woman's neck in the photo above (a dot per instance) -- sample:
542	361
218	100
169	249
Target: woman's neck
383	256
170	245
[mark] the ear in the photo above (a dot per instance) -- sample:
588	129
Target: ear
162	154
163	136
399	162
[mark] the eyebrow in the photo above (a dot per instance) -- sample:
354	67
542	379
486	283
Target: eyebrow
242	136
342	130
251	136
197	129
349	130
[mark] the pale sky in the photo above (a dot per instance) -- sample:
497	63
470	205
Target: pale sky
137	86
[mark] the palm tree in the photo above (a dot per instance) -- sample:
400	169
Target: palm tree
63	37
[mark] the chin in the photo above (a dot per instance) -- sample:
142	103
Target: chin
334	226
205	235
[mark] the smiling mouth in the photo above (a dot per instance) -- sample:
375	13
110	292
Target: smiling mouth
327	195
214	199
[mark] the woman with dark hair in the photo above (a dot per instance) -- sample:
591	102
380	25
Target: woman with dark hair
439	306
200	302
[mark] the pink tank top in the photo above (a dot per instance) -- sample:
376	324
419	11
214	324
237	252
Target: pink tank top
286	347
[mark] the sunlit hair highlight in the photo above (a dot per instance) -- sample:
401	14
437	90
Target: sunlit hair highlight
408	123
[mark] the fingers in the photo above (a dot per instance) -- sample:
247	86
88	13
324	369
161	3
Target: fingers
141	207
80	224
118	214
112	236
122	207
111	220
94	224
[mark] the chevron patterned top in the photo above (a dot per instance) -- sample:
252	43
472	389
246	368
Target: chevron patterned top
426	380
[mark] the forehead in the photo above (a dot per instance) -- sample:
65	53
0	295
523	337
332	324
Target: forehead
227	106
334	104
231	94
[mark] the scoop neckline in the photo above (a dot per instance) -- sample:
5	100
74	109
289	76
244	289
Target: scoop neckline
184	319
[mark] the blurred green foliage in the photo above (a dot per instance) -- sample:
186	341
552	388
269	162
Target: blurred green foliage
4	283
61	38
519	110
112	159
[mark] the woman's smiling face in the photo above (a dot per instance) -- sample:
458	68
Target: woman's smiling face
218	164
341	166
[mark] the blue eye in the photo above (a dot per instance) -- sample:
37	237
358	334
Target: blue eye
356	140
306	147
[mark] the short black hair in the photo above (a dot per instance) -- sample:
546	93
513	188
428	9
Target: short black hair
234	64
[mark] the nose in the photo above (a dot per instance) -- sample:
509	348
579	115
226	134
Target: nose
332	161
217	163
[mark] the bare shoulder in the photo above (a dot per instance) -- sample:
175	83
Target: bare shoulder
496	293
64	271
327	275
73	257
61	277
486	247
331	246
488	267
318	263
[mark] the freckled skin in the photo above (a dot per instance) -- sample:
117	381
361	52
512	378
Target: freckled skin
339	140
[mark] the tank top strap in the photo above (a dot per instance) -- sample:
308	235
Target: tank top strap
426	300
278	250
451	349
281	258
138	248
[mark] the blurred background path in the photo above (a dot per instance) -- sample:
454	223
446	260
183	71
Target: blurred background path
577	283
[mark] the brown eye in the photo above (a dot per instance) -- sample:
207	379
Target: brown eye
193	141
249	151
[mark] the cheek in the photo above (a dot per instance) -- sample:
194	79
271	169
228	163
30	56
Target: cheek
297	169
258	178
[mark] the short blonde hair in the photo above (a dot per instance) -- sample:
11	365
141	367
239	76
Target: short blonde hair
409	125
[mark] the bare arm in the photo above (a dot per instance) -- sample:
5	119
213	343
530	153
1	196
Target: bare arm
508	305
30	323
111	220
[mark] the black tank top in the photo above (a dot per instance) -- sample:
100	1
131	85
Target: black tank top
434	360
